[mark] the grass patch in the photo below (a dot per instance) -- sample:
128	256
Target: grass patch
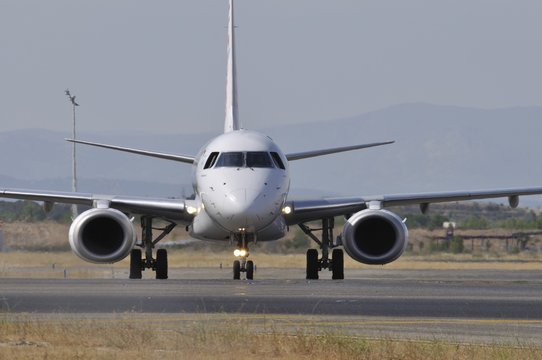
226	337
18	264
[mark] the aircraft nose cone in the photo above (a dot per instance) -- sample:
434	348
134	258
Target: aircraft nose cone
244	208
242	201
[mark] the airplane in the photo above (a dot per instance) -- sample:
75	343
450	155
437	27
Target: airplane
241	183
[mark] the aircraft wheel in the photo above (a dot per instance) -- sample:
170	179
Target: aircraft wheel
312	264
135	264
337	264
250	270
161	264
236	270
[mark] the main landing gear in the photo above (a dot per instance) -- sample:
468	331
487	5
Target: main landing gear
314	265
158	265
242	265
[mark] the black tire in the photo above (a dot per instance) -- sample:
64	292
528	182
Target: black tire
250	270
135	264
236	270
161	264
312	264
337	264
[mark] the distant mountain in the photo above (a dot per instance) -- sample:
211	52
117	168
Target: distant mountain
102	186
437	148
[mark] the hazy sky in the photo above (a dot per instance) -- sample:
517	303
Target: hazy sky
160	65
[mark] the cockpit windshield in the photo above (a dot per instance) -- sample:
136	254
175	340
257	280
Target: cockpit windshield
258	159
251	159
230	159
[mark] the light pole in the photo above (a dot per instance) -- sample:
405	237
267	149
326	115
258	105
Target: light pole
74	164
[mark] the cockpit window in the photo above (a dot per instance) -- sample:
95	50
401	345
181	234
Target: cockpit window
277	160
230	159
211	160
251	159
258	159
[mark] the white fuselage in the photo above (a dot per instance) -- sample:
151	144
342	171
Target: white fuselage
241	180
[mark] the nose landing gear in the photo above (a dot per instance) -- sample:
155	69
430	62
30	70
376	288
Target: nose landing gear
242	265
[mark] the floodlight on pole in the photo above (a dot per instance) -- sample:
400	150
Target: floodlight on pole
74	163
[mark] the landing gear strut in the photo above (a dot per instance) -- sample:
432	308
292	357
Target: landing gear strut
314	265
160	264
242	265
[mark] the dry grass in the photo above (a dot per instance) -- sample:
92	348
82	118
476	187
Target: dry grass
53	264
44	245
50	235
36	236
127	337
194	259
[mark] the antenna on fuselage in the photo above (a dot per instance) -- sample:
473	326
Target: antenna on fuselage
231	122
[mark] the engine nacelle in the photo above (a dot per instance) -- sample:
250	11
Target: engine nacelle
102	236
374	236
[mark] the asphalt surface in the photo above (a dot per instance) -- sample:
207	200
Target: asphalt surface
466	305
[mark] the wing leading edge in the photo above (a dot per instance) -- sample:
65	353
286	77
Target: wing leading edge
307	210
314	153
180	158
172	209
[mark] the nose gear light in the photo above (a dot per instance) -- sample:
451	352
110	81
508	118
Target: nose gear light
240	253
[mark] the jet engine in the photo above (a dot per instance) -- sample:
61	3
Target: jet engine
374	236
102	236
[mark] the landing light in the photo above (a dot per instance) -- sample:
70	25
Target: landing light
240	252
191	210
287	210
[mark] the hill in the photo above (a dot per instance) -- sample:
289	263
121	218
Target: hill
437	148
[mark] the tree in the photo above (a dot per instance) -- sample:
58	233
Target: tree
456	245
299	241
476	222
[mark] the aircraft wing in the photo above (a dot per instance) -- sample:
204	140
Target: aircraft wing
180	158
307	210
315	153
172	209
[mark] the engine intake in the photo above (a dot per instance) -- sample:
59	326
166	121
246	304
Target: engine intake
102	236
374	236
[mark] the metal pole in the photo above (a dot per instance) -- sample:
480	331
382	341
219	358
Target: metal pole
74	163
74	166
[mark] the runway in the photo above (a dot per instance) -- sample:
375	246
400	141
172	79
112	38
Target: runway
462	304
